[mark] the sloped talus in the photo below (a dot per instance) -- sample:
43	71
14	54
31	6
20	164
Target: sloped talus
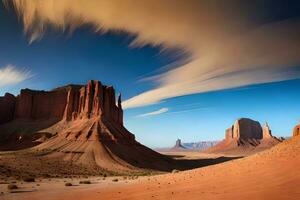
87	127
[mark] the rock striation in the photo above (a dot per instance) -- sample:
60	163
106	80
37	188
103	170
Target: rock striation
7	108
78	123
67	103
246	135
244	128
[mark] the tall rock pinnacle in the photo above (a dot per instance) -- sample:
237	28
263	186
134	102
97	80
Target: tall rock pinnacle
267	131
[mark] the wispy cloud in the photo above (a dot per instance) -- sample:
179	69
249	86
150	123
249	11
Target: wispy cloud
10	75
157	112
229	47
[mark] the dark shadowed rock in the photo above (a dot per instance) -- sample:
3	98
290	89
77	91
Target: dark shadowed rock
244	128
7	108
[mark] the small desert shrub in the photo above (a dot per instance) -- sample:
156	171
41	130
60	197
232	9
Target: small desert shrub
12	187
175	171
68	184
29	179
115	180
85	182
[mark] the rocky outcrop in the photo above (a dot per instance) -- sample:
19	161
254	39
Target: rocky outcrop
93	100
178	144
245	136
7	108
244	128
41	105
67	103
296	131
81	124
267	133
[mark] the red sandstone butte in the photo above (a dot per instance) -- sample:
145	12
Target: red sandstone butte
68	103
245	136
81	124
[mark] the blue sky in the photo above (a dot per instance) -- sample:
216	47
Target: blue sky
59	58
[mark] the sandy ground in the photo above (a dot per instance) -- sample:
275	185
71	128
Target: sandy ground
272	174
192	155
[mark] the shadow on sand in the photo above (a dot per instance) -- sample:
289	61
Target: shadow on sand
186	164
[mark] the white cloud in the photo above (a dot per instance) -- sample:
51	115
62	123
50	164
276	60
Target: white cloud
10	75
157	112
229	47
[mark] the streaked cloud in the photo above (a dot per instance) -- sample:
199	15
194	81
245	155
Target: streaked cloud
231	43
10	75
157	112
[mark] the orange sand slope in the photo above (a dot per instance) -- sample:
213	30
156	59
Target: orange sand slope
272	174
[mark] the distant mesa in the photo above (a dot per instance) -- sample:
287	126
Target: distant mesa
78	123
245	136
189	146
200	146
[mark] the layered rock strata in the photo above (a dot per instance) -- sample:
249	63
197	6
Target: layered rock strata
245	136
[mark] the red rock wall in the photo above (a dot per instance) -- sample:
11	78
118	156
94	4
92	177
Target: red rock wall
7	108
93	100
68	103
244	129
229	133
32	105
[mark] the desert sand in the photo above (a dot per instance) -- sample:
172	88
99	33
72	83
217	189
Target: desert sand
266	175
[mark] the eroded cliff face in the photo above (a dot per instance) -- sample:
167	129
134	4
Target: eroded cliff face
244	129
91	101
42	105
244	137
7	108
66	103
81	124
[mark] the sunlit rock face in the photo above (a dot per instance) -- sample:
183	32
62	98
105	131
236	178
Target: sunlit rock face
78	123
69	103
267	133
296	131
93	104
93	100
244	137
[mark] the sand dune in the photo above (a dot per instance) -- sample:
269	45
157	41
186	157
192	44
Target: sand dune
266	175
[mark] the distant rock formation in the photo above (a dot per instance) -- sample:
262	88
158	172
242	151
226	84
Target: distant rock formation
296	131
178	144
244	136
267	133
84	123
200	146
